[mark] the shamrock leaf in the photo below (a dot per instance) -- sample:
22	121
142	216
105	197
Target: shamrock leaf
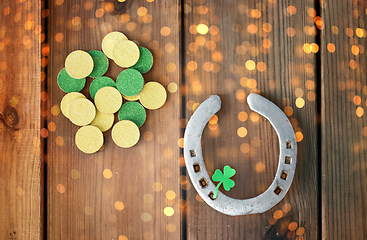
224	178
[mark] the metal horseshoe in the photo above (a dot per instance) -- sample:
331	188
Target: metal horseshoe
199	175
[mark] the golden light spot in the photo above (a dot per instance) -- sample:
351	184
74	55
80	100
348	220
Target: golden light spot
240	95
300	102
349	32
300	231
172	87
99	12
311	12
261	66
36	141
267	27
252	28
148	136
51	127
288	111
6	11
359	32
202	29
200	40
170	227
355	50
259	167
278	214
192	66
59	2
290	31
242	132
59	37
217	57
272	221
213	30
353	64
335	30
357	100
168	211
291	10
165	31
208	66
254	117
298	92
60	188
286	208
142	11
119	205
359	112
170	195
331	47
310	85
242	116
59	141
210	45
314	47
250	65
171	67
122	237
299	136
292	226
107	173
307	48
213	120
146	217
245	148
147	18
311	96
255	13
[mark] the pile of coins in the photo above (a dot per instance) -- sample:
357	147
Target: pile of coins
109	95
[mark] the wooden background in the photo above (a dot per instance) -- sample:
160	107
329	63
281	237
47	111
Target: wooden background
308	57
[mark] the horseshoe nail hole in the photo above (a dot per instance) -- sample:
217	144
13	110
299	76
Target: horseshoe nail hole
203	183
278	190
289	145
287	160
197	167
211	195
193	153
284	175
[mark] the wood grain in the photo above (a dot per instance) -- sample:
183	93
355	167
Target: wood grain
81	202
344	90
20	144
262	32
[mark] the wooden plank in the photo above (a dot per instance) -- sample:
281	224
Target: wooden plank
344	131
20	144
81	201
253	46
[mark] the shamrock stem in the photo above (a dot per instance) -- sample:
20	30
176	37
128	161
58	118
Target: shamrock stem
216	190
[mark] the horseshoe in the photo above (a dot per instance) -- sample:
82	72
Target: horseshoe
199	175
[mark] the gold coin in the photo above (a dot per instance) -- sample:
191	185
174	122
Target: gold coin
79	64
103	121
132	98
81	111
89	139
153	95
109	42
67	99
126	53
108	100
125	134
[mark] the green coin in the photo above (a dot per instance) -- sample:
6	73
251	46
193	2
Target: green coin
100	63
130	82
99	83
69	84
134	112
145	61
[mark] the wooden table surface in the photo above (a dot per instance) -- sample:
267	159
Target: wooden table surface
306	56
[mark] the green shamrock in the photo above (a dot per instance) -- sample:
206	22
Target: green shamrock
218	176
